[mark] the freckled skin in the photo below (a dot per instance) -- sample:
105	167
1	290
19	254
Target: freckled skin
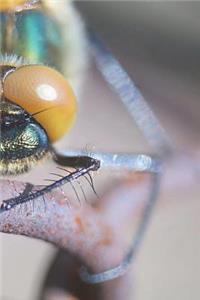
80	224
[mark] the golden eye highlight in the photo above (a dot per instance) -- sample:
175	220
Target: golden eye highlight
41	89
10	4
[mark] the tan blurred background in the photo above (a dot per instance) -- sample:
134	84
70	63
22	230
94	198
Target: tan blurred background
159	44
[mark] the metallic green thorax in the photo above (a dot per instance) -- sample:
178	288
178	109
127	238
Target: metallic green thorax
32	34
35	37
23	141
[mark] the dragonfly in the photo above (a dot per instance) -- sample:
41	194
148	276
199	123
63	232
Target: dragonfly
32	43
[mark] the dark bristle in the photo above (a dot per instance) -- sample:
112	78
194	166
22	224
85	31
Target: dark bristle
12	202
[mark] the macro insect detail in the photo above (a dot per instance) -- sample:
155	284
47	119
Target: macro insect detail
38	105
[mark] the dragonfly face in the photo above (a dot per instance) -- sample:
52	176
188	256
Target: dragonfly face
23	141
37	104
37	107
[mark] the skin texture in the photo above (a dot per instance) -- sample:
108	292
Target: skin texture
93	233
69	228
182	173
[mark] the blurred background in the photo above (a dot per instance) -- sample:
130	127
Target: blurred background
158	43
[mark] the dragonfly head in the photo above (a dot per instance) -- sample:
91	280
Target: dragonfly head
37	107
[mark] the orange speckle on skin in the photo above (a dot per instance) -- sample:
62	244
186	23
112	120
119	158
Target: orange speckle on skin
80	225
106	241
136	178
107	238
61	201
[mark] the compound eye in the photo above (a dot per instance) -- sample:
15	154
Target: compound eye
44	92
10	4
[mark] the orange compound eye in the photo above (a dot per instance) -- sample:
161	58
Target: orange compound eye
10	4
44	92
